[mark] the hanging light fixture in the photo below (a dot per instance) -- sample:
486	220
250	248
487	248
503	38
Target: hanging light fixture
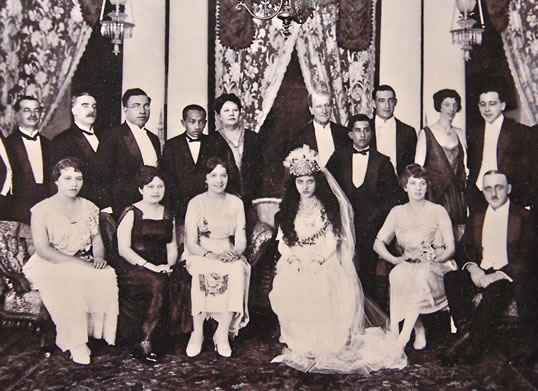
467	34
117	28
286	10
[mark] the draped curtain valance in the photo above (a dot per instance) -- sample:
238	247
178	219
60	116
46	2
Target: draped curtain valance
251	56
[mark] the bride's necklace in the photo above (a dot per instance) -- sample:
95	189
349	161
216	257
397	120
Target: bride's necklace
307	207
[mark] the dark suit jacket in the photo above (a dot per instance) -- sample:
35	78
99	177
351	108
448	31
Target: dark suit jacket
520	240
72	142
306	135
118	160
513	158
184	179
406	144
26	192
246	182
382	190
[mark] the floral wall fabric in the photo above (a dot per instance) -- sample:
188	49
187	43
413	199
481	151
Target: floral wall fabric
348	75
521	47
41	44
254	72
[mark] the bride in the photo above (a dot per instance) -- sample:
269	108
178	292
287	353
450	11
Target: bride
316	293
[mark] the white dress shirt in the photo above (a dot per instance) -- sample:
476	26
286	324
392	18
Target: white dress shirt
194	147
495	238
489	153
35	155
360	165
324	139
149	156
7	185
385	136
89	133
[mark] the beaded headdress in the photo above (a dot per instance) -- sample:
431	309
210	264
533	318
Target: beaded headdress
302	161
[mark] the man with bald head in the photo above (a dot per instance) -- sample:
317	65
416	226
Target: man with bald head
321	133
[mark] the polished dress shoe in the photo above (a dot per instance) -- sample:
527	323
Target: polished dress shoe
144	353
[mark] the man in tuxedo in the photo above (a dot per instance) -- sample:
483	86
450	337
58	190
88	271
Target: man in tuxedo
368	179
123	151
6	176
29	154
499	143
391	136
81	141
496	261
321	133
182	156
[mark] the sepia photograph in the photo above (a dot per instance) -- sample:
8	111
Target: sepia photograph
268	195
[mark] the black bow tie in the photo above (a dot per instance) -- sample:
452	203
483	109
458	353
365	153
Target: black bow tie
193	140
87	132
33	138
363	152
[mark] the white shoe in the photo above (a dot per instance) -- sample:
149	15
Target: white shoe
420	340
223	348
194	347
81	354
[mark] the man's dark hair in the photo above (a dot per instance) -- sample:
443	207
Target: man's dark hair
358	118
17	105
193	107
78	95
383	87
132	92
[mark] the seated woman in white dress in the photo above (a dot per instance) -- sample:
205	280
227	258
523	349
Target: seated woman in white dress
424	235
316	293
68	268
215	241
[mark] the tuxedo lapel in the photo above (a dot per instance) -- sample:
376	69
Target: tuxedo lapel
22	156
130	143
514	230
478	226
372	171
82	142
504	142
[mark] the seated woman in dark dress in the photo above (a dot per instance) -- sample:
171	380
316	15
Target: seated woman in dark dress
148	250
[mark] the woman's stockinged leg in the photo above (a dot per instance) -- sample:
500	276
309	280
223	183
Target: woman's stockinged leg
194	346
409	324
220	338
420	335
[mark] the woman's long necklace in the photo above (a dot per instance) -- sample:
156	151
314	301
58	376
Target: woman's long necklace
307	207
237	147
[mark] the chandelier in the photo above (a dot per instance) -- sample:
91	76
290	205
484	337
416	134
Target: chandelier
286	10
467	34
116	28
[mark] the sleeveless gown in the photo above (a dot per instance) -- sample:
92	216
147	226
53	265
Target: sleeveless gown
417	287
147	302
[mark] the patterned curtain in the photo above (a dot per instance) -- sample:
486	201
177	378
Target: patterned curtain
250	60
255	72
41	44
347	74
521	47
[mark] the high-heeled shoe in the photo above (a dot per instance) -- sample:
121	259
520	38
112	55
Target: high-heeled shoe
223	349
81	354
194	347
144	353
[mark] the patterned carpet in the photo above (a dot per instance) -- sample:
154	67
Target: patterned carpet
24	367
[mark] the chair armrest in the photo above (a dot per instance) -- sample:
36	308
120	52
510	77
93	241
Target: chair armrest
260	238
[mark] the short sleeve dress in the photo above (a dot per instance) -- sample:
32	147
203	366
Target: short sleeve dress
218	286
82	301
